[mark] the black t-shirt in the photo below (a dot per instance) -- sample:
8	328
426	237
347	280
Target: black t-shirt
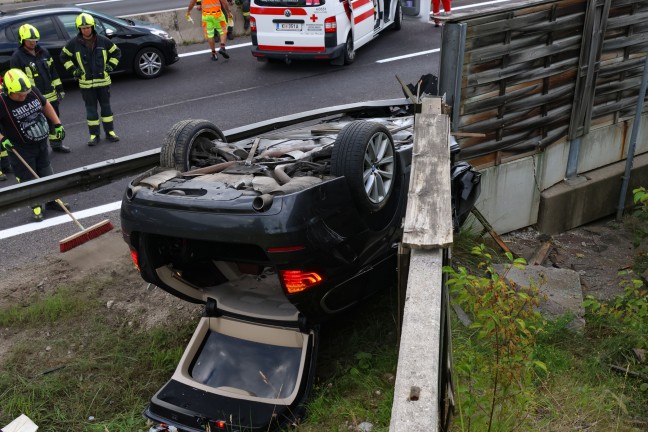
24	123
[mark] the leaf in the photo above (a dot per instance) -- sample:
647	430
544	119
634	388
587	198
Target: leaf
541	365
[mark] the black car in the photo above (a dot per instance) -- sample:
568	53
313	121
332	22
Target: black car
274	233
146	49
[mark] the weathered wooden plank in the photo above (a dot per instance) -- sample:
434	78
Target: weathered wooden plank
623	42
530	23
493	102
428	217
626	20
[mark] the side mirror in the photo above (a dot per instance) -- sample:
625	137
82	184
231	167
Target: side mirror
110	33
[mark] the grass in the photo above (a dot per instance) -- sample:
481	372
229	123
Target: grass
80	367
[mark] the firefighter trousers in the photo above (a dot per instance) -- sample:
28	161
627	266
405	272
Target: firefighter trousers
93	97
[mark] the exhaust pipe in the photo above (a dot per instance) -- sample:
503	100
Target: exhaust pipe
262	202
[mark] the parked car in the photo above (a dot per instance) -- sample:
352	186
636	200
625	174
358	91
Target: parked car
146	49
274	233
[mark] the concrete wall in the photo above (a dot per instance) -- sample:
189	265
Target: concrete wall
532	190
184	32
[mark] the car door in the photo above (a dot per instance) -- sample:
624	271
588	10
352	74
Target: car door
50	37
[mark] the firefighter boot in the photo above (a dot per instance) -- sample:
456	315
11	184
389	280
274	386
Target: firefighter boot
3	177
93	141
37	213
246	22
57	146
112	136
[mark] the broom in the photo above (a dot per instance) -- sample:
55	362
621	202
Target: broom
79	238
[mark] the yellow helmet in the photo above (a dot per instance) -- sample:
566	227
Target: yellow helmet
15	81
28	31
84	19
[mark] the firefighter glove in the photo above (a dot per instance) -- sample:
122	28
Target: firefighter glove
189	18
60	93
109	68
6	144
59	132
77	73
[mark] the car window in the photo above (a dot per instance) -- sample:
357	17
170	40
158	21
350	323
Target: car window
69	23
102	26
46	27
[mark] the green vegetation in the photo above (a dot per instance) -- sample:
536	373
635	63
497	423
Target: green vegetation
78	366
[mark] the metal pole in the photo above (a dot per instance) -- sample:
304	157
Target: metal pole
633	141
572	159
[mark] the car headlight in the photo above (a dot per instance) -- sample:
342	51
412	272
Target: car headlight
161	33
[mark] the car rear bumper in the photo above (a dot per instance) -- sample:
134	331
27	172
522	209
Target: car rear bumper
297	53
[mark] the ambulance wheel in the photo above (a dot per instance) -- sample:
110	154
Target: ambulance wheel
149	63
188	145
349	52
364	154
398	17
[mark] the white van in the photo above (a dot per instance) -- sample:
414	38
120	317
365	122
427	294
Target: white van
319	29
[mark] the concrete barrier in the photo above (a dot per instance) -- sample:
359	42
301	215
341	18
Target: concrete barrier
183	31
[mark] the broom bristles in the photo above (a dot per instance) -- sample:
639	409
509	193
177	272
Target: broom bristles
86	235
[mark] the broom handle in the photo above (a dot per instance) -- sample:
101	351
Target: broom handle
58	201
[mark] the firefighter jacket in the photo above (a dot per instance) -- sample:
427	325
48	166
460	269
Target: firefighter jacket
91	57
40	70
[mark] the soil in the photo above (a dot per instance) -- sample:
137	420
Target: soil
597	252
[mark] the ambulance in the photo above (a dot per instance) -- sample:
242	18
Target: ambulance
319	29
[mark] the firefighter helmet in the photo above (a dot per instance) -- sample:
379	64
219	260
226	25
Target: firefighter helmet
84	19
28	31
15	81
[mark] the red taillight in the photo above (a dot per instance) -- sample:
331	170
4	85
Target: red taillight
135	258
252	24
285	249
298	280
220	424
330	25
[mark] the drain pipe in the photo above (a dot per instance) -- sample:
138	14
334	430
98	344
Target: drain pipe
633	141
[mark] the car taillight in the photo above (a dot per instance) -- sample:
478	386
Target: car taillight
135	258
330	25
253	24
298	280
285	249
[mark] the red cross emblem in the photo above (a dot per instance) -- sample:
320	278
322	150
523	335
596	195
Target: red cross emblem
313	18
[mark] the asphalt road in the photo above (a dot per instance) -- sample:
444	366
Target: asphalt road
230	93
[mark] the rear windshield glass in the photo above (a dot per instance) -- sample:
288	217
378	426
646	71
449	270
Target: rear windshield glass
289	3
255	369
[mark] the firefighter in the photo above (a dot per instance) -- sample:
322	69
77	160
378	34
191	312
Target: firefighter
245	8
91	57
24	117
38	65
213	20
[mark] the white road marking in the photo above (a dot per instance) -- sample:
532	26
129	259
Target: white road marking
420	53
47	223
230	47
97	2
479	4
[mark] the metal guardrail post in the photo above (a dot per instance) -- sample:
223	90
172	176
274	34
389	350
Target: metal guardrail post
451	67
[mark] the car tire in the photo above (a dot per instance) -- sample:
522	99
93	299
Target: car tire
349	51
398	16
364	154
187	145
149	63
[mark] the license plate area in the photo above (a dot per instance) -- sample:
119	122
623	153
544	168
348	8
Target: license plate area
288	25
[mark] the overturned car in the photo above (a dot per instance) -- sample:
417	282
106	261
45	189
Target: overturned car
275	233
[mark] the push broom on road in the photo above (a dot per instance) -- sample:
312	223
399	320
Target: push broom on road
86	234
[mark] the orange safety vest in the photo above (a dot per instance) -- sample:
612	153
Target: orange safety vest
211	7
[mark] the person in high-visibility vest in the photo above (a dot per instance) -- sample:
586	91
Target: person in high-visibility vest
91	57
38	65
213	20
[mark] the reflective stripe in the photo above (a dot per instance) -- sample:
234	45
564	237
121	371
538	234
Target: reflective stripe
107	119
93	122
